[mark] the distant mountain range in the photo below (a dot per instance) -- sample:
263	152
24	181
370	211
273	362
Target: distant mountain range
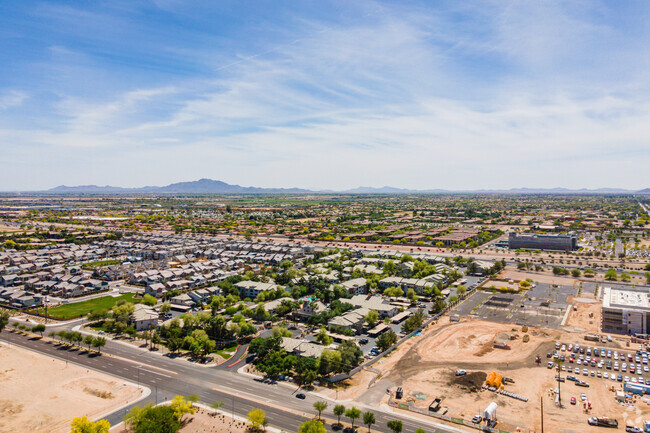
209	186
202	186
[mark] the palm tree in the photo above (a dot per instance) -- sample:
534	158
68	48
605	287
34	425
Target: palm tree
320	406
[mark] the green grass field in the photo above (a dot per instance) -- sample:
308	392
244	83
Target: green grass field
102	263
226	352
78	309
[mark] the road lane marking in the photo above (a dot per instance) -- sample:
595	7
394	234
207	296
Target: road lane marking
155	372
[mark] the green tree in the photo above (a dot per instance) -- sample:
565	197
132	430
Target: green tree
84	425
329	362
149	300
281	331
369	419
88	341
353	413
152	419
386	340
98	343
371	318
323	337
165	308
438	305
174	344
313	426
611	275
77	337
320	406
395	426
339	411
4	319
40	328
411	295
351	355
308	377
420	430
98	315
414	322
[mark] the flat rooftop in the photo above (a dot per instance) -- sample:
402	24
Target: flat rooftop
625	299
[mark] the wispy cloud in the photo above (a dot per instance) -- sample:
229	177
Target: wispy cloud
455	96
11	98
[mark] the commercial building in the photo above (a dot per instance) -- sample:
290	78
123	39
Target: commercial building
626	311
542	242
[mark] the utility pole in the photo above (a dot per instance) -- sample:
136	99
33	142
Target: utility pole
541	401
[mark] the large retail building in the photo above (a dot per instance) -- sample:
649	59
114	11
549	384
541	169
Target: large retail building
626	311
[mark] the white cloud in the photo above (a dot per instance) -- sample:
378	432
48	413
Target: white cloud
11	98
407	98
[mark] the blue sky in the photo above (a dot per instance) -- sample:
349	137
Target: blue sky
317	94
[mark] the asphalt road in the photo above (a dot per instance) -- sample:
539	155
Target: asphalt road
166	378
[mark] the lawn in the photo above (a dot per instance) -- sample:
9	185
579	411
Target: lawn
102	263
226	352
78	309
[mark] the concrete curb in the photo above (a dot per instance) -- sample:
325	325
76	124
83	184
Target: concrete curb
146	393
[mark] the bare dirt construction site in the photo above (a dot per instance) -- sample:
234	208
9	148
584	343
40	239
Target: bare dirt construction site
586	315
39	394
425	368
540	278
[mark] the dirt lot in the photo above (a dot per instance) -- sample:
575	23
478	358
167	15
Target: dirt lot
539	278
426	366
586	317
39	394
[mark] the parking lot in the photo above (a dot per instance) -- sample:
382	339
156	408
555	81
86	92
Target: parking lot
541	306
583	363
